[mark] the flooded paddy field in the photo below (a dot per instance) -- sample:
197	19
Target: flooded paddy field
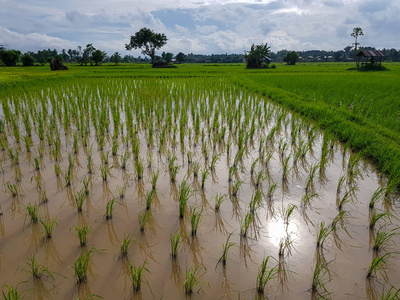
204	190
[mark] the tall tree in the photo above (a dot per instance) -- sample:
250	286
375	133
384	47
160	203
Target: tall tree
116	57
98	56
355	34
291	58
148	41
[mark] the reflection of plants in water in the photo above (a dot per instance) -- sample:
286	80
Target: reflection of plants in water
225	250
265	275
136	275
175	242
193	275
36	269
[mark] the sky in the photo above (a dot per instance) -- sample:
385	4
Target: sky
198	26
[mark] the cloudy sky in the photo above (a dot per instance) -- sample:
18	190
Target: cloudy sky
199	26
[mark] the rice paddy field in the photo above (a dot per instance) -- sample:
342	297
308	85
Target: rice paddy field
201	182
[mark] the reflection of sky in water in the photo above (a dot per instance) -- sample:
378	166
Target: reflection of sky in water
278	230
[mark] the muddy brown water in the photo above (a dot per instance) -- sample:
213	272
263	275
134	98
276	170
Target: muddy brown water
348	251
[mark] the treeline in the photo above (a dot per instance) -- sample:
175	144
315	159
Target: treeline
92	56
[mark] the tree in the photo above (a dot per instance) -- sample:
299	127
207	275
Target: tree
148	41
87	54
168	57
180	57
291	58
27	60
116	57
9	57
98	56
355	34
257	57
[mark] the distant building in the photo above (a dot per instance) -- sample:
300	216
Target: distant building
369	57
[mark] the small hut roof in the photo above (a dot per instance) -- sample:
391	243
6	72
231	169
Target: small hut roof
370	53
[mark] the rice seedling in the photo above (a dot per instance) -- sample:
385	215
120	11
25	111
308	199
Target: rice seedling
149	196
143	218
175	240
310	178
287	213
33	212
173	172
375	217
382	238
57	170
219	199
110	209
36	163
184	194
376	196
265	275
285	169
81	266
27	141
285	245
48	226
14	156
125	245
105	171
260	177
235	187
79	200
214	161
11	294
136	275
345	199
253	165
378	264
271	190
89	165
189	157
319	280
86	182
232	171
256	201
82	233
392	294
308	196
225	250
342	179
154	179
124	160
340	218
114	148
68	177
195	218
323	233
13	189
139	169
195	168
204	176
245	224
192	278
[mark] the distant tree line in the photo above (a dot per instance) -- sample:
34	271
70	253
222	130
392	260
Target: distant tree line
92	56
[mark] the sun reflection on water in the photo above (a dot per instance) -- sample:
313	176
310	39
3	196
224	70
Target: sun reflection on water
278	230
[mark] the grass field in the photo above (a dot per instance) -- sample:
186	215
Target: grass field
204	181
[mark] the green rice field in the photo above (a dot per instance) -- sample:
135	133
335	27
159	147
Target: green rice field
202	182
